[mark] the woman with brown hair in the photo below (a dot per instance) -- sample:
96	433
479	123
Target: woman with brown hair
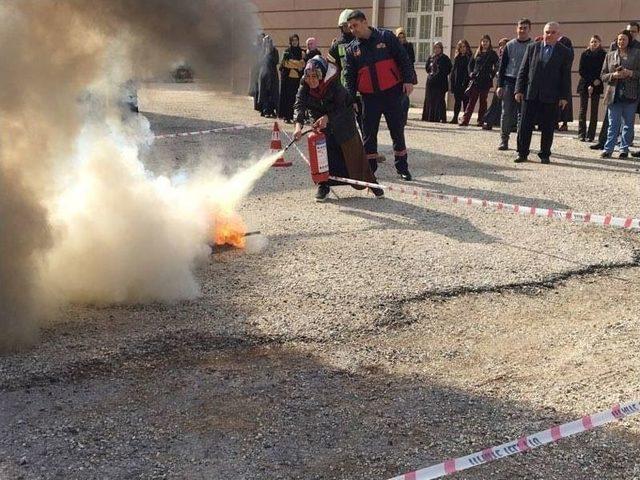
621	77
460	78
438	67
482	68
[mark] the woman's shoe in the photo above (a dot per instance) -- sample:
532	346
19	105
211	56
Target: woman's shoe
378	192
321	194
623	155
605	154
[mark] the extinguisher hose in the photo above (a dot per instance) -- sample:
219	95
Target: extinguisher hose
305	133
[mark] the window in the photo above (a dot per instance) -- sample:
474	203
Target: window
424	21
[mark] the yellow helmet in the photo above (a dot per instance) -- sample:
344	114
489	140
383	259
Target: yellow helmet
342	19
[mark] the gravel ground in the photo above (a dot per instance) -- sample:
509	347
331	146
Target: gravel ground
371	337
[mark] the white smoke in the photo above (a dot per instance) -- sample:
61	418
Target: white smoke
82	220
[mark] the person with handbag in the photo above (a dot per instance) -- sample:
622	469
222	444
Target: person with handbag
494	114
621	76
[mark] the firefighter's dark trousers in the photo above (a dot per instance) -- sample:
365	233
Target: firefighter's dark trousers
389	104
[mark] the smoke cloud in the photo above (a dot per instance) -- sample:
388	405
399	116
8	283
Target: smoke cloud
81	219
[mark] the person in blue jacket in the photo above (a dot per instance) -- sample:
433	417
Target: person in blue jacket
378	67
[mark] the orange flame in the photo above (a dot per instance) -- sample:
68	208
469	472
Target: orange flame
229	229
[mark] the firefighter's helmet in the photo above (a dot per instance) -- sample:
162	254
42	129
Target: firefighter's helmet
342	19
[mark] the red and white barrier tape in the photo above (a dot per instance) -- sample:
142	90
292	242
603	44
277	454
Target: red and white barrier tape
523	444
206	132
607	220
350	181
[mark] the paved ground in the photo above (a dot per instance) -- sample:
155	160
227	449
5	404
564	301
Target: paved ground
369	338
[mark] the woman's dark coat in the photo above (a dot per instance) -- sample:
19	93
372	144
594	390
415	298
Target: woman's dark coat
590	67
460	75
268	92
291	70
483	68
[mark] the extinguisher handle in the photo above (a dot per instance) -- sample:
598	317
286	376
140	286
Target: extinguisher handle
306	132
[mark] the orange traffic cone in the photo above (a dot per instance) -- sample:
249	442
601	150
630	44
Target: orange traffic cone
276	146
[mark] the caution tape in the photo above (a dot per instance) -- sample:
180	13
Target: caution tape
206	132
524	444
350	181
607	220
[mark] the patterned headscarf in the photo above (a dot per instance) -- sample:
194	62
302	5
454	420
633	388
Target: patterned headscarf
317	64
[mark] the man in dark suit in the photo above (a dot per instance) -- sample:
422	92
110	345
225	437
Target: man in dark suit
543	84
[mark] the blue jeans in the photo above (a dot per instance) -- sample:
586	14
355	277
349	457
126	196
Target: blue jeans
620	113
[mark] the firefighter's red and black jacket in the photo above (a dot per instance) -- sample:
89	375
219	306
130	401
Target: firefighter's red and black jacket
330	99
376	64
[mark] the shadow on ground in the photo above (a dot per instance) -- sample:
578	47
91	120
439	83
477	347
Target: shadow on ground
214	407
392	214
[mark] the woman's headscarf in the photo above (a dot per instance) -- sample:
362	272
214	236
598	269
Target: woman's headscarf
297	50
319	65
312	43
267	44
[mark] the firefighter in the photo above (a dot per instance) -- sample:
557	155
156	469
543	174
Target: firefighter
378	67
322	95
337	54
338	50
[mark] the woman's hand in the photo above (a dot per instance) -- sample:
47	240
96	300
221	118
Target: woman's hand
590	90
297	134
321	123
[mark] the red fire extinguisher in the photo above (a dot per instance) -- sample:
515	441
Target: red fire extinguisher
318	158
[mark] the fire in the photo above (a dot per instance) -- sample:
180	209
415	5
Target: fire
229	229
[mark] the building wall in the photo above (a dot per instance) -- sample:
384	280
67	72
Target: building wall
468	19
579	19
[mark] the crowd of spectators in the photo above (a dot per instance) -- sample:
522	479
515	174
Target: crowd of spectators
530	78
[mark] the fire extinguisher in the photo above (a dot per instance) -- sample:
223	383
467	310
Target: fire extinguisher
318	158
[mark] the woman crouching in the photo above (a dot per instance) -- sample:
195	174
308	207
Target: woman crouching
331	109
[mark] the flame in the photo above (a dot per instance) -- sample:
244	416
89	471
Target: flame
229	229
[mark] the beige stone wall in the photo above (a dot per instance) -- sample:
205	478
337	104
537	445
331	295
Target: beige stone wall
579	20
468	19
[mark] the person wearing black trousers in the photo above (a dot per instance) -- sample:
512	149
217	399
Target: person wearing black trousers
438	67
494	114
268	91
543	85
590	87
291	70
460	78
482	69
